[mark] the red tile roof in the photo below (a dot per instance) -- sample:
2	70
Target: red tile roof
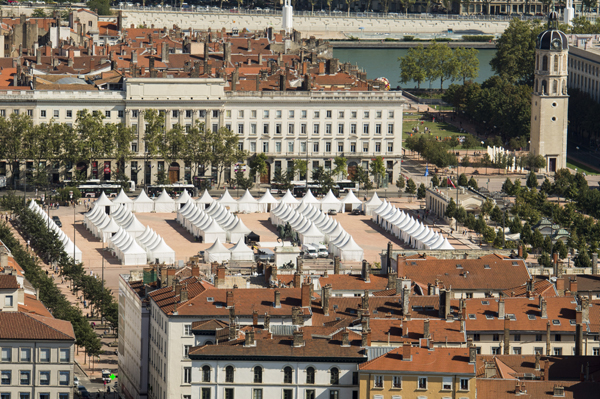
502	389
352	282
22	326
33	306
8	282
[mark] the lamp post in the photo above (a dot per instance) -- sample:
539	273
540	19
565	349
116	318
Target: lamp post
74	231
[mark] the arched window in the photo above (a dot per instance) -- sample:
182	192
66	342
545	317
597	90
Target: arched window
229	374
544	87
287	375
334	379
556	63
555	86
545	63
536	85
310	375
537	62
205	373
258	375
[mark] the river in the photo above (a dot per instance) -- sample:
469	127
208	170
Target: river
384	62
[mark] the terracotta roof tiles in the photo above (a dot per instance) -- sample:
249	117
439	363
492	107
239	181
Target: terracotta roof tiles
22	326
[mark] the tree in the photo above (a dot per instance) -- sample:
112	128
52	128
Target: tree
13	131
245	183
362	177
467	63
465	162
532	180
400	183
300	166
323	178
487	161
537	239
197	151
582	259
487	207
341	165
544	260
499	239
450	208
470	142
225	151
102	7
412	66
377	169
547	245
514	59
348	3
38	13
441	63
473	183
258	165
508	187
411	187
489	235
122	136
561	249
435	181
462	180
283	179
421	191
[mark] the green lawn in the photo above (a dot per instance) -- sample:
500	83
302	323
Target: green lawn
436	129
580	167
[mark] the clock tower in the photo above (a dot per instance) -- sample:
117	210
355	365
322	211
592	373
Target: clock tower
550	102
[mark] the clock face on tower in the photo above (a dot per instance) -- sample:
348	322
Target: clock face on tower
556	44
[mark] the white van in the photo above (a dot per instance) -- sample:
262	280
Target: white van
321	250
310	251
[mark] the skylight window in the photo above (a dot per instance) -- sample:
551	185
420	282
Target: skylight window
210	299
486	303
459	266
472	316
531	316
556	322
489	317
486	267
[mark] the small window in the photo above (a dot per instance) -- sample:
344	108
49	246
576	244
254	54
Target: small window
485	302
5	377
65	355
317	114
422	383
63	377
187	375
531	317
287	375
464	384
205	393
557	337
290	114
229	393
495	337
397	382
43	113
459	266
556	322
107	114
45	355
229	374
258	375
205	373
8	300
486	267
257	393
476	337
25	377
489	317
334	378
69	113
310	375
447	384
6	354
186	351
472	316
378	381
44	378
120	114
557	351
26	355
56	113
366	114
210	299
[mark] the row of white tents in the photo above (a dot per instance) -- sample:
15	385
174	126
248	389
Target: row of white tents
315	226
155	246
327	203
412	231
219	253
126	248
68	246
213	223
142	204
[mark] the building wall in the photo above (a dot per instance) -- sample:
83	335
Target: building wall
133	342
410	388
529	344
272	378
36	366
584	71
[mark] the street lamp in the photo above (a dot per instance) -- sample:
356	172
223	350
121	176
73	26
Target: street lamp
74	231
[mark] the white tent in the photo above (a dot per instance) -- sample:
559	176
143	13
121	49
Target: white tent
71	249
164	203
247	203
133	254
213	232
372	204
309	198
288	198
161	252
217	253
350	202
227	201
204	200
241	252
143	204
266	202
134	226
445	245
351	251
122	200
107	229
103	201
311	235
91	214
330	202
239	231
183	199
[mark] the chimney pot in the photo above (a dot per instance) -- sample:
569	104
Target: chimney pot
407	352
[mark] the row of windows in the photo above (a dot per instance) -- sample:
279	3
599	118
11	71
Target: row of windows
316	128
64	378
517	337
69	113
584	67
421	383
26	395
316	147
304	114
257	393
44	355
334	375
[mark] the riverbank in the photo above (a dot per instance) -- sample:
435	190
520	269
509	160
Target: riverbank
372	44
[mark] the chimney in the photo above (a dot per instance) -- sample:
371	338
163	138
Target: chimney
249	45
559	391
321	68
364	321
548	339
249	339
506	336
297	280
195	268
304	68
229	302
134	56
365	300
70	62
426	333
220	279
260	59
472	351
578	339
520	251
282	82
544	309
305	295
573	285
277	300
391	284
546	370
444	310
257	83
595	263
537	361
406	352
227	53
585	309
4	259
366	271
345	339
183	295
325	294
405	301
232	326
38	57
298	338
165	52
501	312
255	318
490	369
366	339
177	289
267	322
336	265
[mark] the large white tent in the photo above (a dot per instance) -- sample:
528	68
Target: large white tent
213	232
103	201
122	200
204	200
107	229
247	204
311	235
239	231
143	204
133	254
351	251
241	252
372	204
330	202
217	253
309	198
164	203
266	202
161	252
227	201
350	202
288	198
183	199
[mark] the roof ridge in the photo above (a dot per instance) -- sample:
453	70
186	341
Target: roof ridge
48	325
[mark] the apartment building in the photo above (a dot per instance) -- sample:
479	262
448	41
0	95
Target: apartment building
584	65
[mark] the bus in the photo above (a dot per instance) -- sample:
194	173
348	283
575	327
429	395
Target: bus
95	190
174	190
346	185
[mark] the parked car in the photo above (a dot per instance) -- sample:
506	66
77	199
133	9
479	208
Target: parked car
57	221
357	212
310	251
332	212
76	381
